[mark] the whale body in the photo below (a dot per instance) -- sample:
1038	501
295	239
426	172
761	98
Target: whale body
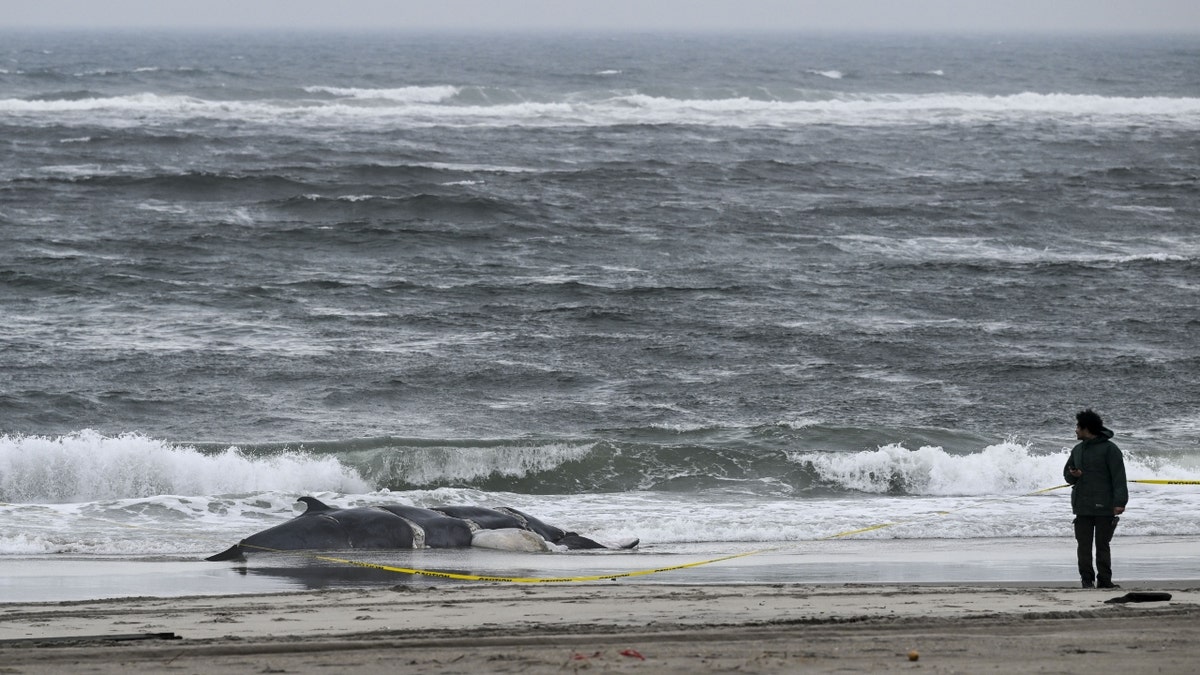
397	526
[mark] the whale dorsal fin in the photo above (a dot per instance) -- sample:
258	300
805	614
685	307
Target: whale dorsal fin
314	505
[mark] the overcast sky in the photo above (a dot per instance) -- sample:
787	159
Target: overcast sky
626	15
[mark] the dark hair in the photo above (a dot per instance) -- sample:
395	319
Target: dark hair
1090	420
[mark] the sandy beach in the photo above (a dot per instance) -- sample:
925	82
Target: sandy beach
807	312
615	627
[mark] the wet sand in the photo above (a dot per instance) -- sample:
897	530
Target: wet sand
616	627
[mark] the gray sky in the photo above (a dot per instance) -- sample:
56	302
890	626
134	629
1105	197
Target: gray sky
636	15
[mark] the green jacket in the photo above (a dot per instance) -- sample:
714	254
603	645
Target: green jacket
1102	485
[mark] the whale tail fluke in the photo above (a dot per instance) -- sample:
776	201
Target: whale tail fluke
232	553
577	542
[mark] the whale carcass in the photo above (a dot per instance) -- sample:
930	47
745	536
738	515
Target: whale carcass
398	526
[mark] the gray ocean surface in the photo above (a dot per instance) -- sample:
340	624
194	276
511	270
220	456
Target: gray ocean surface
700	289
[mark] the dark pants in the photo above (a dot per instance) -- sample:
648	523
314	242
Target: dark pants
1100	529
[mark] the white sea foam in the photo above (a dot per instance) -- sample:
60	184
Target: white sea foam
87	466
1005	491
94	495
435	94
72	170
240	216
932	471
342	311
965	249
426	106
468	166
146	102
800	422
162	207
1138	208
1005	468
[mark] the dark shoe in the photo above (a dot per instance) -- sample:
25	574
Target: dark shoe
1106	584
1088	584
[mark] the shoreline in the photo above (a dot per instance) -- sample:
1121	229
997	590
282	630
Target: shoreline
1000	562
619	628
965	606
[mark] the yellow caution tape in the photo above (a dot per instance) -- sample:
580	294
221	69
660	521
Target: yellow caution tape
880	526
847	533
1038	492
517	580
1158	481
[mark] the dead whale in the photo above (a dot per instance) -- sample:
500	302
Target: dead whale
396	526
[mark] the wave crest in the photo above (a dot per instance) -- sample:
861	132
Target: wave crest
1005	468
435	94
88	466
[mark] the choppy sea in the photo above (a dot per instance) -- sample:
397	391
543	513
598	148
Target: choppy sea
706	290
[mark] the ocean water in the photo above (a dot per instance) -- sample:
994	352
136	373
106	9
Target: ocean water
712	291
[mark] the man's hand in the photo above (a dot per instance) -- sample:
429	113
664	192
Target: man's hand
1118	510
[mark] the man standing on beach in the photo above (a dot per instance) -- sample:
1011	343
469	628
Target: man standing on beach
1096	472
